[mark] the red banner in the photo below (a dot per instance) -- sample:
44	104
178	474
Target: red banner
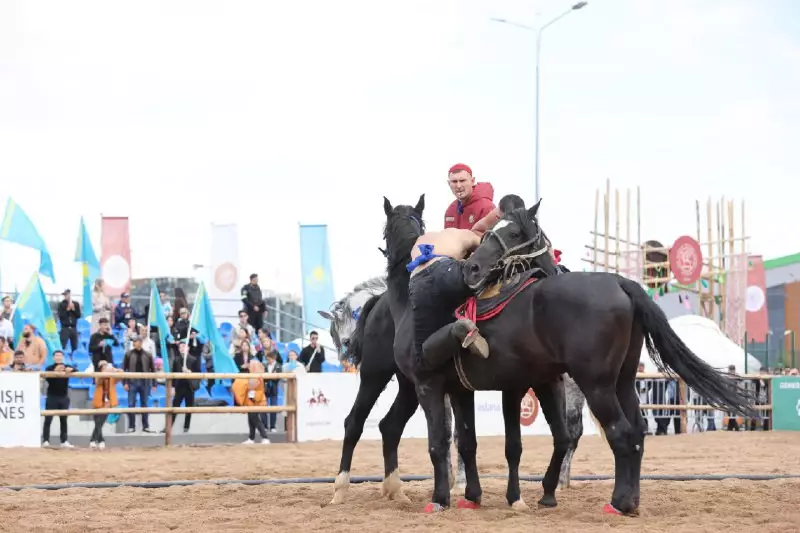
115	259
756	318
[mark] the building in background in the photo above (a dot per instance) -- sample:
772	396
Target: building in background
140	289
782	344
284	316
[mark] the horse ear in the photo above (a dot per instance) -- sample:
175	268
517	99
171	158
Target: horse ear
420	204
325	315
533	210
387	206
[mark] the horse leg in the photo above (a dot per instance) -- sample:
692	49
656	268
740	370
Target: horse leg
391	427
511	412
458	481
431	398
369	389
620	434
464	414
629	400
551	399
574	413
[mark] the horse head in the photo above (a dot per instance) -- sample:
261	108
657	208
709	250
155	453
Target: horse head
516	242
404	225
343	314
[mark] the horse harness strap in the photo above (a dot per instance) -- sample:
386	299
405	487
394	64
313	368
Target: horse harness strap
462	376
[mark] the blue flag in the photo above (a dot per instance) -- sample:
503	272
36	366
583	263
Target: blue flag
84	254
158	319
315	262
33	308
205	325
18	228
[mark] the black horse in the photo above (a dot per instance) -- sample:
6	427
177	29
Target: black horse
590	325
403	227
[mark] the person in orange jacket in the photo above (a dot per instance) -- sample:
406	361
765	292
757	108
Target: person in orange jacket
250	392
105	396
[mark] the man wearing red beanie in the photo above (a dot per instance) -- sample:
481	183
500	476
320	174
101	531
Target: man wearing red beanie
473	201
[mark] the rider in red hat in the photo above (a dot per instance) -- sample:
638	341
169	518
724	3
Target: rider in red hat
473	200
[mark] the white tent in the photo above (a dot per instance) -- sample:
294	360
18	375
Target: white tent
705	339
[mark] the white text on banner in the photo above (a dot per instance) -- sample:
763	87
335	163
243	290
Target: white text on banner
20	409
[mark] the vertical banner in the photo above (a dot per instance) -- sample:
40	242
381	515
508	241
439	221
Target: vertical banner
756	319
735	293
115	255
315	262
223	287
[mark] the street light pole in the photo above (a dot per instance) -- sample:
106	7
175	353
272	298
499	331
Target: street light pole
538	31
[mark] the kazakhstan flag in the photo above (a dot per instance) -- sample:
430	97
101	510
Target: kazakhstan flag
315	262
158	319
84	254
203	321
33	308
18	228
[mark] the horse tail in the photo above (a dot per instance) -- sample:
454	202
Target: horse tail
357	339
672	356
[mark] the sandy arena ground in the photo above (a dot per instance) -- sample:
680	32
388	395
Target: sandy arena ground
675	506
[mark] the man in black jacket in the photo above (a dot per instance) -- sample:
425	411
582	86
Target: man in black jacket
184	388
253	302
313	355
138	360
68	314
101	343
57	398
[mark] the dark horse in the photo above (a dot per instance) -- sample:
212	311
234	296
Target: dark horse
362	329
590	325
403	227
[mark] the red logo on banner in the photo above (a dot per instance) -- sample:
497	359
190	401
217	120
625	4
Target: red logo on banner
529	408
686	260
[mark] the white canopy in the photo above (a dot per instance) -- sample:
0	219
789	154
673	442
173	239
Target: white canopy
705	339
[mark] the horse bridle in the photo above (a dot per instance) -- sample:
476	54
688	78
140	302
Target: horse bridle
510	263
416	222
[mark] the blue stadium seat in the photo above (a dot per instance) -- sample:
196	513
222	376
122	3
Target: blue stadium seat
220	391
83	326
122	394
160	401
42	401
294	346
330	367
289	366
202	392
225	329
160	391
78	383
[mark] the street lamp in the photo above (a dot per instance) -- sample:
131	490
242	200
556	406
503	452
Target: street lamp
538	31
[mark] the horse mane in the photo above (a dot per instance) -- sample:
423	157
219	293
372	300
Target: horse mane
375	285
357	339
520	218
400	236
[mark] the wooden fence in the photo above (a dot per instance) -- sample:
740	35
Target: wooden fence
290	408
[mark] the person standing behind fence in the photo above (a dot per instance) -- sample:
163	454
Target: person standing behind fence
138	360
271	388
105	397
313	355
57	398
101	343
101	305
253	301
249	392
69	312
184	388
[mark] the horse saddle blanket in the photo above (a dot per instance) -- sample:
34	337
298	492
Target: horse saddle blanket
494	298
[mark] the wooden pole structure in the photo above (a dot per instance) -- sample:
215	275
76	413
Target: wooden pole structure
596	215
616	231
606	200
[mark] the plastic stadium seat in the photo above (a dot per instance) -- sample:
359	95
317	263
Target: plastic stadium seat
220	391
78	383
202	392
160	392
226	328
42	401
83	325
294	346
330	367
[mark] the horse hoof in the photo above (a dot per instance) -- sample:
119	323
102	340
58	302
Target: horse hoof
338	498
433	508
464	503
610	509
519	506
547	502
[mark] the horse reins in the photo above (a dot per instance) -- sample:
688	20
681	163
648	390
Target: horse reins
508	263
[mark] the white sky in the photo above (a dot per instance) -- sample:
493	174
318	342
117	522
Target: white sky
182	113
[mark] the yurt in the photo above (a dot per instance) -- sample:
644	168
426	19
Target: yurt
705	339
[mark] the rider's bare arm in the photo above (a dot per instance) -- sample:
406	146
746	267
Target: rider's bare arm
487	222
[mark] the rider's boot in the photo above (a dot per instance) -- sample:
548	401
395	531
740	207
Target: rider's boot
467	332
